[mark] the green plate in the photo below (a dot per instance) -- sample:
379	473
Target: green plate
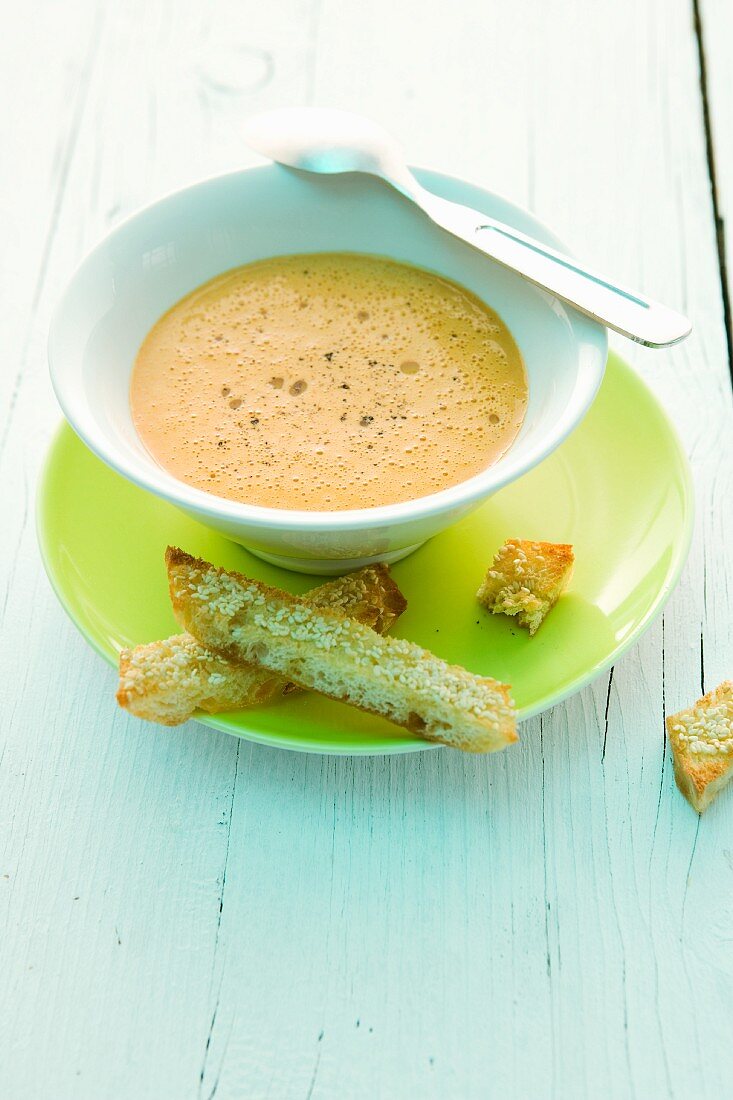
619	489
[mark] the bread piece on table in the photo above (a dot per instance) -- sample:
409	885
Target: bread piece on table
167	681
322	649
701	738
525	579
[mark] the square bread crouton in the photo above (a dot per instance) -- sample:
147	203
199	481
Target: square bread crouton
525	579
701	739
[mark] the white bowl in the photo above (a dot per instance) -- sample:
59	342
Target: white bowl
155	257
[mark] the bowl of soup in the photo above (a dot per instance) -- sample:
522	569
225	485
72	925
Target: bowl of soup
309	366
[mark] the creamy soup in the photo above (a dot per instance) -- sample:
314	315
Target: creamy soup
328	381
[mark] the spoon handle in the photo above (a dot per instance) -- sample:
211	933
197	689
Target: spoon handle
640	318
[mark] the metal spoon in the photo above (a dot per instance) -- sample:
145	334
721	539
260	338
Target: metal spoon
320	140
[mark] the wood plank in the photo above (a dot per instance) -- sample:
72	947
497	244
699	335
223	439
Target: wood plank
48	62
299	926
114	841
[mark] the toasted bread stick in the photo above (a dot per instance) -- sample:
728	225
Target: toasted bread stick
167	681
701	739
322	649
526	579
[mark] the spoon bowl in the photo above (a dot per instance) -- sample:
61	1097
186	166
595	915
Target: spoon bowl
323	140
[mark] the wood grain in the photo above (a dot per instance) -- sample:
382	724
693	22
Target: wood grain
183	915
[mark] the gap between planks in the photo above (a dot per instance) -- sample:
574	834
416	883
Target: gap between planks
714	191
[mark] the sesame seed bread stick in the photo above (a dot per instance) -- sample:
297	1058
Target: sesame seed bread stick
167	681
321	649
526	579
701	739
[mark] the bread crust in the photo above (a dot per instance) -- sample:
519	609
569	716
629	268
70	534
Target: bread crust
168	681
701	739
322	649
526	579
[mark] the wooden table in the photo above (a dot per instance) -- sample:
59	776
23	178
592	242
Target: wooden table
185	915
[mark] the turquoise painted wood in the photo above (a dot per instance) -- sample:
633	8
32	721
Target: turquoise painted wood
185	916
